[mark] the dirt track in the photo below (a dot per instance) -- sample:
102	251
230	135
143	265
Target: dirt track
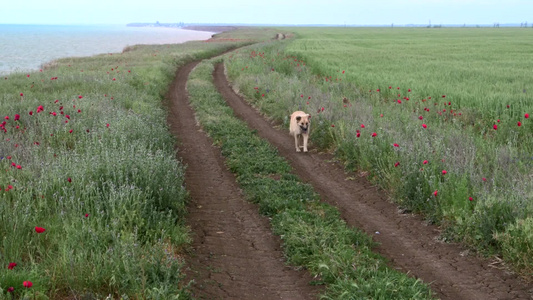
405	240
237	257
235	254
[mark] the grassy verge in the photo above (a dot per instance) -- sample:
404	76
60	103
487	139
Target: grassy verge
92	201
313	234
463	164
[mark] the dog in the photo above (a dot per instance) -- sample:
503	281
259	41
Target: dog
300	126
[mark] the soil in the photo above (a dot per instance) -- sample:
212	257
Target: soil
235	255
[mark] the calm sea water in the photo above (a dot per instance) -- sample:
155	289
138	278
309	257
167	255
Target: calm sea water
27	47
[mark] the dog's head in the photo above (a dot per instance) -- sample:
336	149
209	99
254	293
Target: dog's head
303	122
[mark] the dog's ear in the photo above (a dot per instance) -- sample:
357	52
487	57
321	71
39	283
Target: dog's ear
308	116
298	118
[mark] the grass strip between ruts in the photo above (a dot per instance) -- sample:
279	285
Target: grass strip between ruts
313	234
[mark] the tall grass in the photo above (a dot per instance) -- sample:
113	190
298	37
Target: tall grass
86	154
435	149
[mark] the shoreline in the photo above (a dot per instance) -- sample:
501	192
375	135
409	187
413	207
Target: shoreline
29	49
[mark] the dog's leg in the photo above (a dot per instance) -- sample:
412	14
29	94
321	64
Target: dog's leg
305	136
296	142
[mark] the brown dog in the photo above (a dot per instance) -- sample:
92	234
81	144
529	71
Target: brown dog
300	126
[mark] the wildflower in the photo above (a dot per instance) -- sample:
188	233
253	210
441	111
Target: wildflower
10	289
470	199
526	116
396	164
362	125
332	125
495	127
80	97
27	284
424	125
396	145
17	117
425	162
444	172
86	215
409	90
435	193
21	94
39	229
420	118
519	124
374	134
11	265
31	112
107	125
358	134
69	179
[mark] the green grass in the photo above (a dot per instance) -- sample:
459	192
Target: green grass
98	171
313	234
479	71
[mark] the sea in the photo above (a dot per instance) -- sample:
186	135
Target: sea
27	47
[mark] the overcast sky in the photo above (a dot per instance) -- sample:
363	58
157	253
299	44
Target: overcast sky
298	12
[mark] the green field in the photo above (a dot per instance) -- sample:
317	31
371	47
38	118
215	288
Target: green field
449	108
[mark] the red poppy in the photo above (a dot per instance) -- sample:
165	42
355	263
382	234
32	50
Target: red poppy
519	124
443	96
424	125
425	162
396	145
31	112
10	289
17	117
358	134
362	125
374	134
420	117
470	199
27	284
39	229
396	164
21	94
526	116
332	125
444	172
495	127
409	90
80	96
86	215
11	265
435	193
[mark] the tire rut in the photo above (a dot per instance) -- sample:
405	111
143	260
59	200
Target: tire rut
405	240
234	253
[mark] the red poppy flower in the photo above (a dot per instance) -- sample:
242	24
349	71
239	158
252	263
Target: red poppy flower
396	145
358	134
27	284
374	134
396	164
526	116
80	97
443	96
425	162
519	123
409	90
332	125
470	199
444	172
424	125
21	94
495	127
11	265
86	215
362	125
39	229
17	117
420	118
435	193
31	112
10	289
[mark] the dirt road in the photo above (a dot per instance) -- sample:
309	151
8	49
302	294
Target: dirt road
235	255
406	240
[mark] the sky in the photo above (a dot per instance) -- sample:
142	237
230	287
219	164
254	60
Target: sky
286	12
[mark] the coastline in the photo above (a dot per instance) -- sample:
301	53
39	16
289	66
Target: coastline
26	48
